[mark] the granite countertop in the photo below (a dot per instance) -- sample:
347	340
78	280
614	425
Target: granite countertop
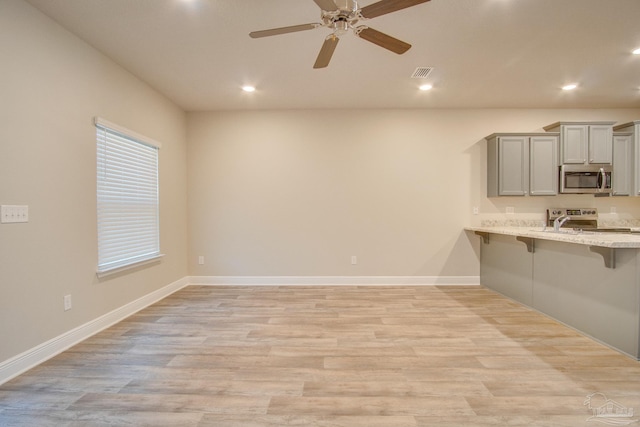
607	240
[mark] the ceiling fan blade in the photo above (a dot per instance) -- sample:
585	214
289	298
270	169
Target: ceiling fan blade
283	30
383	40
387	6
326	52
328	5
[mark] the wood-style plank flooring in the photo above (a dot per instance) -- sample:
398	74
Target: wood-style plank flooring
326	356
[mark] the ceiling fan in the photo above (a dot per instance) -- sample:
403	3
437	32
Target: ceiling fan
344	15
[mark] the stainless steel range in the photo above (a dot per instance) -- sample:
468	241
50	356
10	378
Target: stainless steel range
584	219
574	218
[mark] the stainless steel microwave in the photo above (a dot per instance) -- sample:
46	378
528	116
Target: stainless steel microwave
589	179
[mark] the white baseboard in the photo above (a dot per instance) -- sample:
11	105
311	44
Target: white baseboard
335	280
13	367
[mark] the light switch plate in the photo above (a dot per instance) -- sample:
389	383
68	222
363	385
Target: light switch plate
14	213
67	302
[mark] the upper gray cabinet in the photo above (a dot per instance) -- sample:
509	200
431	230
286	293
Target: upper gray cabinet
622	178
632	128
543	165
584	142
521	164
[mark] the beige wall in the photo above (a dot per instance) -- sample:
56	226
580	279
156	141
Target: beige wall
51	87
299	192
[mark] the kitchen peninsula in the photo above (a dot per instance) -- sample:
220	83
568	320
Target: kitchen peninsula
589	281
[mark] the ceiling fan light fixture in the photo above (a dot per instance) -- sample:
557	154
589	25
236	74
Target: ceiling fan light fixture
341	28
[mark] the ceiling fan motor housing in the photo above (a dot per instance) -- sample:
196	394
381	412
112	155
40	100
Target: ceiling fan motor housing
343	18
347	5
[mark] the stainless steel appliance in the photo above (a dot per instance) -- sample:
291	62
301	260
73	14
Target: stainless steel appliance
585	179
584	219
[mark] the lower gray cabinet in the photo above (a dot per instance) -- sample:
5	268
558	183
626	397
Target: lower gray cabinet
506	267
570	283
522	164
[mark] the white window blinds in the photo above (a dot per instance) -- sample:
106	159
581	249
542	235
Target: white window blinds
128	206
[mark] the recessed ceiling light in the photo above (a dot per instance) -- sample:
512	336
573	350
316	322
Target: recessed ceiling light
425	87
248	88
570	87
636	52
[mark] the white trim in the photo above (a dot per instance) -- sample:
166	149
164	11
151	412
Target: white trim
15	366
102	123
335	280
114	270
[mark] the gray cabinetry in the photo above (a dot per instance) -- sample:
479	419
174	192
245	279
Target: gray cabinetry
543	165
574	144
584	142
634	129
622	179
507	165
600	144
570	283
521	164
506	267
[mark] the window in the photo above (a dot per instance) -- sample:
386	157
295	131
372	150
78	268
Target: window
128	208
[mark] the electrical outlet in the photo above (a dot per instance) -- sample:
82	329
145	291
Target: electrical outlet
614	209
14	213
476	211
67	302
354	260
510	210
201	260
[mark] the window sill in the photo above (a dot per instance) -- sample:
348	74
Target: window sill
115	270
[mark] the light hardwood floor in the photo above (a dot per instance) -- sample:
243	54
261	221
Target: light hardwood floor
326	356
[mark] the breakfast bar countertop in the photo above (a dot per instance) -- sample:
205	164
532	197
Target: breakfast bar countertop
590	238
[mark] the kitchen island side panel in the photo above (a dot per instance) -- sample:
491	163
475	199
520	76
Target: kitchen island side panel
572	285
506	267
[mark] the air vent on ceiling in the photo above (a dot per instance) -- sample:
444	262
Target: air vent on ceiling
422	72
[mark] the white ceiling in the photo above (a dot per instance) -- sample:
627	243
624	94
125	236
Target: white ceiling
486	53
